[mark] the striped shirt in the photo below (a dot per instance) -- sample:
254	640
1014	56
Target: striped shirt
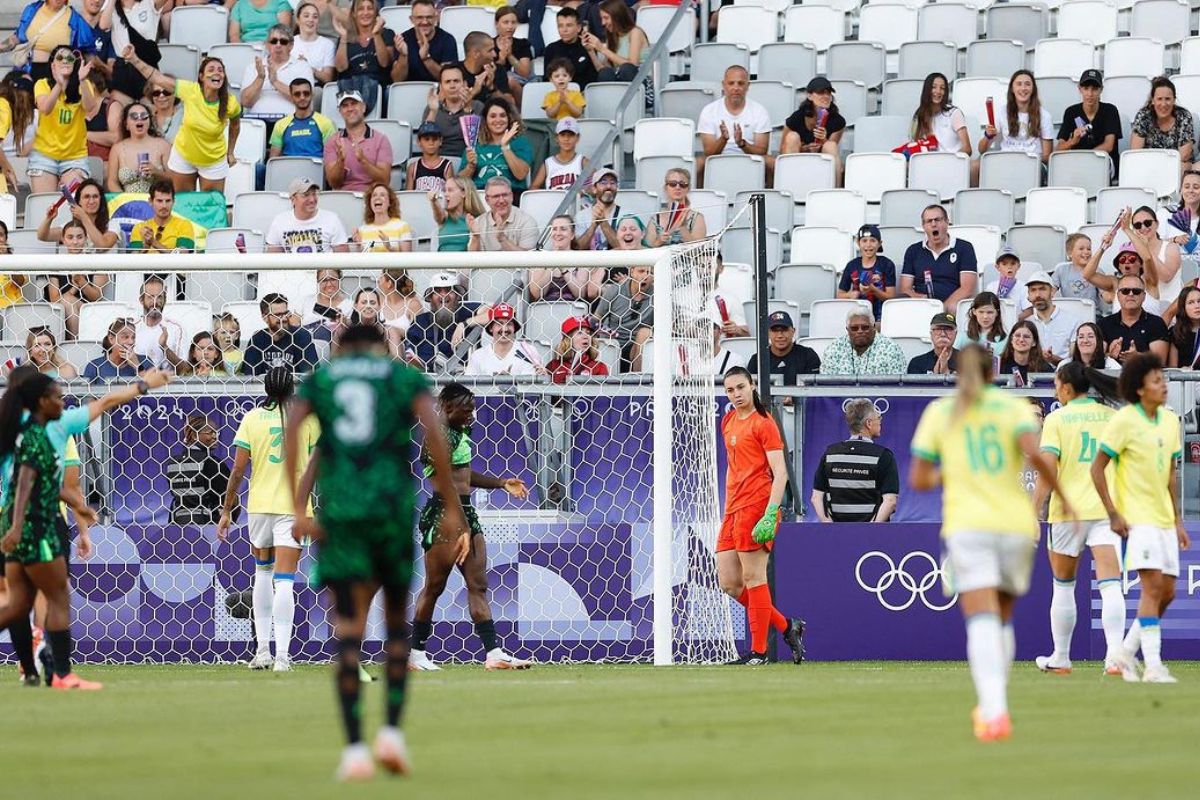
854	475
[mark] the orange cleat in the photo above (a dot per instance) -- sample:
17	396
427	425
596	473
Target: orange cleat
73	681
391	752
994	730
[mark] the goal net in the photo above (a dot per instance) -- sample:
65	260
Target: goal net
610	558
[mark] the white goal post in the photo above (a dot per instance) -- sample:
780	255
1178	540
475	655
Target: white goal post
691	619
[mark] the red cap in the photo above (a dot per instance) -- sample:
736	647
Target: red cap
502	312
572	324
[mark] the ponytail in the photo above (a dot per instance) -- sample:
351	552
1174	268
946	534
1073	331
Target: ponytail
279	384
22	395
974	373
734	372
1082	378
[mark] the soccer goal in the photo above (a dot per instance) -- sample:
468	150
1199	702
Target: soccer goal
611	558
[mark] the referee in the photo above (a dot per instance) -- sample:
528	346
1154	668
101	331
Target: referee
857	480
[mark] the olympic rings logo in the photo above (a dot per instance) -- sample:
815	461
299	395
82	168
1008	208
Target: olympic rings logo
898	573
882	405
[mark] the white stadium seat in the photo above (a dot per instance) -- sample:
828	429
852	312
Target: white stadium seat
793	62
1112	201
1087	169
749	25
994	58
458	21
779	98
872	174
1020	22
1092	21
889	24
943	173
1013	171
800	173
820	26
734	173
843	209
947	22
971	94
900	98
865	62
822	245
985	207
663	136
920	58
986	239
20	317
827	318
1157	170
201	27
1064	206
804	284
1062	57
94	318
904	206
711	59
1168	21
1044	244
1141	57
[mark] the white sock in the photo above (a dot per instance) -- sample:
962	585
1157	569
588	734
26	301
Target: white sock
263	592
1062	619
1112	613
1151	641
985	654
1008	638
283	611
1133	639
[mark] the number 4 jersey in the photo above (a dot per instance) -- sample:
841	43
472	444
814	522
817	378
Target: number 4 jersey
981	461
1072	435
365	406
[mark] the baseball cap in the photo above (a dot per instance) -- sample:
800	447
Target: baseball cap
502	312
602	172
442	280
943	319
1007	251
300	186
1041	276
779	319
1126	248
350	94
1091	77
819	84
567	125
572	324
429	129
869	230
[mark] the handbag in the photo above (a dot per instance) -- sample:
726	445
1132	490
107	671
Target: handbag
23	52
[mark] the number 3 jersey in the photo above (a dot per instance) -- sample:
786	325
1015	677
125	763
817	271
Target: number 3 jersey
1072	435
261	433
365	407
981	461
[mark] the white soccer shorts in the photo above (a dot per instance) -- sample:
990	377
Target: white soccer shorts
984	560
1069	538
272	530
1152	548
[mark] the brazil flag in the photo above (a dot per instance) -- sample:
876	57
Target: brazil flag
204	210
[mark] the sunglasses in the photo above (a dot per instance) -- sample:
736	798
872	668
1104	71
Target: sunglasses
1129	260
1146	223
65	58
301	93
160	93
139	116
1132	291
678	184
279	41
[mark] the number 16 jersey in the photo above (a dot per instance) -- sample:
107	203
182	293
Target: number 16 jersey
365	406
981	461
1072	435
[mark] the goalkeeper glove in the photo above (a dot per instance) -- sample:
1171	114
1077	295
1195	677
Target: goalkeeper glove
764	529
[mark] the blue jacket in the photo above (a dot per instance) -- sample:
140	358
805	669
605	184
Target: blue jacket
82	38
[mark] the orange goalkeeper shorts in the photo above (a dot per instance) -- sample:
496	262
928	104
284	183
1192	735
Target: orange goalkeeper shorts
737	530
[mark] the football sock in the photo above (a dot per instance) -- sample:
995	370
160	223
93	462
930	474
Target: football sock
1151	641
1112	612
421	631
744	598
22	643
1062	619
1133	639
349	688
396	650
761	616
283	610
985	654
263	602
778	621
1008	638
486	631
60	648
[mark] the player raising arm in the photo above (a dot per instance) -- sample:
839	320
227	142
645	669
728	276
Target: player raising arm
754	487
1143	442
974	445
1071	438
366	405
258	443
457	405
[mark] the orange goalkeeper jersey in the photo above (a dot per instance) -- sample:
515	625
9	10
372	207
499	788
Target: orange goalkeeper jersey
747	442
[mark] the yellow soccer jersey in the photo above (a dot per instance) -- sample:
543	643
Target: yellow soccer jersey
70	459
1072	435
202	138
61	134
981	462
1143	450
261	432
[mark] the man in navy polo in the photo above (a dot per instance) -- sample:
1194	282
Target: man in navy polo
941	266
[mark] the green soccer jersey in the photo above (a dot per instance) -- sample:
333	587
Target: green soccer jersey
39	538
365	406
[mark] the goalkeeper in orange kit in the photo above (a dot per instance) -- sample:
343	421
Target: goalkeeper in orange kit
754	486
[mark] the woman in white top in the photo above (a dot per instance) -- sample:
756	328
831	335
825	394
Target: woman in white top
1160	260
1022	124
383	230
937	117
1087	347
318	51
1185	235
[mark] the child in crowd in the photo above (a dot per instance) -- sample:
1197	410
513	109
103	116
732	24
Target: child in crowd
562	101
1069	280
227	333
871	276
1008	286
430	172
561	170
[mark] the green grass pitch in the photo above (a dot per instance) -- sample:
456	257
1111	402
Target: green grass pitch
863	730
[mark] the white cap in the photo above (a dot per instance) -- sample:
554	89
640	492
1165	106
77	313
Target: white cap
1041	276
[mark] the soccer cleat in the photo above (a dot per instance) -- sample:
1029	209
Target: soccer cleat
31	681
996	729
261	661
750	660
419	661
1127	663
282	664
1111	667
498	659
363	675
1043	663
356	765
1158	674
45	663
73	681
794	636
391	752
